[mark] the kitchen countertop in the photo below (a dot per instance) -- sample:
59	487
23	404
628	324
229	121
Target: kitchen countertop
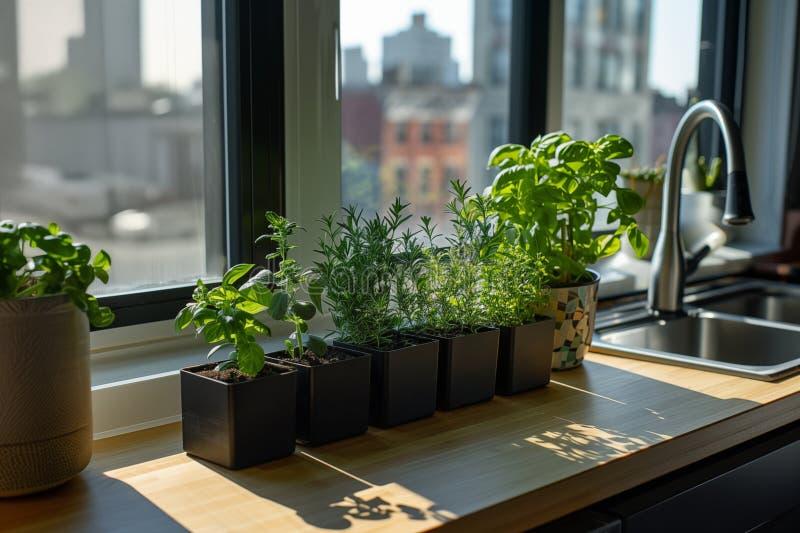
509	464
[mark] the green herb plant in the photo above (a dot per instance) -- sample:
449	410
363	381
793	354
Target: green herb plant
513	287
289	279
226	317
548	193
454	275
358	270
63	266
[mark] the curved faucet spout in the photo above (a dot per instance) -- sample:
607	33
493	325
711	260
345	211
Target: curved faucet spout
668	273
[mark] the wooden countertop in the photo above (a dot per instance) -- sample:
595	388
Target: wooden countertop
509	464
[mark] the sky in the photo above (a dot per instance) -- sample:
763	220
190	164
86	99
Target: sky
171	31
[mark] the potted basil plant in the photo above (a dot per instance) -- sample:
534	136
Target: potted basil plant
332	382
45	386
369	290
513	290
239	412
551	193
452	311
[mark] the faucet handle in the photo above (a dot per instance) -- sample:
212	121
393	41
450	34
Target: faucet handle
738	210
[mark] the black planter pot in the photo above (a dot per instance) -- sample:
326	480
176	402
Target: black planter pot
526	353
237	425
467	368
403	381
332	398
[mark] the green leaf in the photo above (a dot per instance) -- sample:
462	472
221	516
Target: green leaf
54	228
512	175
638	240
56	246
304	310
102	260
249	306
505	154
317	345
217	348
614	147
184	318
629	201
212	332
279	305
235	272
250	358
608	245
101	274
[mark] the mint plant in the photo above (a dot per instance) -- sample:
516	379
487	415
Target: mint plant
226	317
548	193
289	279
63	266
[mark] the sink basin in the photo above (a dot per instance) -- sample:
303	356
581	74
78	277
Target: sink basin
768	301
709	341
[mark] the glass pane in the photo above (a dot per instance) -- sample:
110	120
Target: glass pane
630	67
425	98
104	121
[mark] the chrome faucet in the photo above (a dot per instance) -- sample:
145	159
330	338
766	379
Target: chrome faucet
668	275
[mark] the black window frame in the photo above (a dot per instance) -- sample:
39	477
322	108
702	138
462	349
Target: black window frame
234	34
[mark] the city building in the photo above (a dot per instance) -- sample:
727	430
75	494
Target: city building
425	144
418	56
606	59
354	67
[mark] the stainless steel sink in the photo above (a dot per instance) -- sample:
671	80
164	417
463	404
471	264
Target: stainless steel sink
749	329
772	301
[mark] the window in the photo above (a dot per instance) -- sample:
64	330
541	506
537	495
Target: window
645	72
401	132
426	135
424	182
442	62
104	115
450	133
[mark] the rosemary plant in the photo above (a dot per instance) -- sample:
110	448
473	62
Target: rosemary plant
358	270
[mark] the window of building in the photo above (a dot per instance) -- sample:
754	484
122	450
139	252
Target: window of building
463	47
450	133
105	116
424	181
401	133
426	133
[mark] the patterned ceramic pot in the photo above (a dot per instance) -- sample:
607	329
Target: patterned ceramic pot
45	394
573	307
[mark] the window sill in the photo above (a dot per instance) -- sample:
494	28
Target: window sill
135	384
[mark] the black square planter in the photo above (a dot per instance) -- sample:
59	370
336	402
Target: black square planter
237	425
403	381
526	355
467	368
332	398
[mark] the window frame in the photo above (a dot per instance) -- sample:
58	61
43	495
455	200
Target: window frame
251	129
240	33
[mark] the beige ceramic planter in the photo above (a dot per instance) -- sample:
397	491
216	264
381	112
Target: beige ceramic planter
574	308
45	394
